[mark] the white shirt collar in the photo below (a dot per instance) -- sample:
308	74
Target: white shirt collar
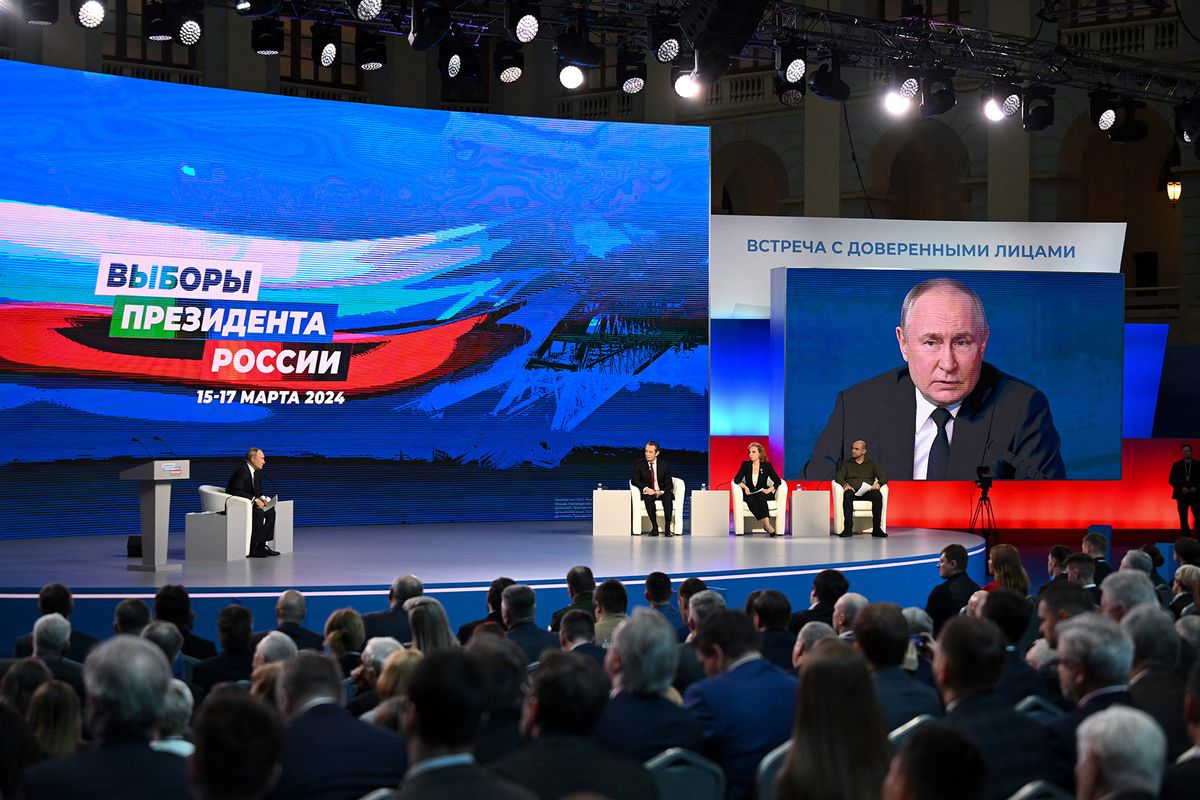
926	432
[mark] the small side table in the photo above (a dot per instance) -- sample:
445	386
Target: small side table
810	514
610	512
710	513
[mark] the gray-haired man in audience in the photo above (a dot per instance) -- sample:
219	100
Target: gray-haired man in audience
701	606
1123	591
367	673
1121	755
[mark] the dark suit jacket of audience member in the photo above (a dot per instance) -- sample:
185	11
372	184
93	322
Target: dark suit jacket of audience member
745	713
465	631
197	646
228	666
1177	606
1018	680
393	622
110	771
1187	657
499	734
582	602
1180	780
533	640
640	726
591	649
1062	732
554	765
330	755
902	697
69	672
1103	570
689	670
303	637
1160	693
1015	747
777	645
1048	672
77	649
821	612
670	610
362	702
461	780
948	598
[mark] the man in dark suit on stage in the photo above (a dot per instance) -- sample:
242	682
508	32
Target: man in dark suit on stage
246	481
652	477
947	412
1185	489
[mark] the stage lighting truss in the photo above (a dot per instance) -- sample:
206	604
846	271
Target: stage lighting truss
326	42
522	21
508	62
903	85
826	81
156	21
1037	108
266	36
256	8
665	39
937	92
631	70
791	62
370	50
431	22
1000	101
41	12
366	10
574	46
790	94
88	13
189	23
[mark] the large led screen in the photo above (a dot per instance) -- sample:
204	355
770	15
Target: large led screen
417	315
1026	365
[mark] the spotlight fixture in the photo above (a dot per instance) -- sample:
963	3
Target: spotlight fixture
326	41
665	38
1037	108
1128	129
189	23
1187	122
88	13
791	60
366	10
430	24
902	87
41	12
256	8
508	62
458	60
685	83
790	94
1102	108
937	92
157	22
370	50
826	81
1000	101
522	21
569	75
266	36
574	46
710	66
631	70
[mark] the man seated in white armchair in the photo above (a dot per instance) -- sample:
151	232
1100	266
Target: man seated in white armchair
861	478
246	481
652	477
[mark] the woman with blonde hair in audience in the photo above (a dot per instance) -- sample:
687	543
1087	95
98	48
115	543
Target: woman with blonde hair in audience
429	623
344	635
398	669
263	680
1007	571
840	749
55	719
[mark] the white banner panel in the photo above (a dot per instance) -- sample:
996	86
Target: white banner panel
744	250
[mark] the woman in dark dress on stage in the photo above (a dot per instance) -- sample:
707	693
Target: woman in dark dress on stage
758	480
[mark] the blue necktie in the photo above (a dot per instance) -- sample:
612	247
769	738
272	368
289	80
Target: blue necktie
939	453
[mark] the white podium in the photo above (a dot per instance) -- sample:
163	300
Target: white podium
154	493
710	513
610	512
810	514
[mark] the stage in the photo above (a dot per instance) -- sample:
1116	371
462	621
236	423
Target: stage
353	566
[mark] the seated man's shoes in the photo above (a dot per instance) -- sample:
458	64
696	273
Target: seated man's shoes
268	551
256	551
668	534
845	534
879	534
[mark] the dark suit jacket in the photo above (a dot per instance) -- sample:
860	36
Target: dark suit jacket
902	697
821	612
70	672
591	649
330	755
77	649
533	640
110	771
745	712
1004	423
777	648
462	780
499	734
468	628
242	484
303	637
689	670
362	702
393	622
1103	570
1018	680
642	479
554	766
948	597
227	666
1180	780
670	610
1015	748
1062	732
582	602
197	646
1159	692
1178	481
745	475
639	727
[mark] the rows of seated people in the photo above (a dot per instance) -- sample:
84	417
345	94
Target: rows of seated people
1089	689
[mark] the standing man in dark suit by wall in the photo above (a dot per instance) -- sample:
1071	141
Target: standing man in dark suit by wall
246	481
1185	490
652	477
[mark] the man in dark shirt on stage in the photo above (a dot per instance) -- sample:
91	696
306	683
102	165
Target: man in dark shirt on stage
857	471
1185	488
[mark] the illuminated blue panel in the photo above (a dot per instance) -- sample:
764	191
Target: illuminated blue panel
1144	349
740	377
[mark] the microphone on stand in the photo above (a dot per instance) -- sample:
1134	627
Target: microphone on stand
168	448
142	445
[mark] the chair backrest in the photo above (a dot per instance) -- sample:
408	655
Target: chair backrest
212	498
768	768
683	775
1038	708
901	733
1040	790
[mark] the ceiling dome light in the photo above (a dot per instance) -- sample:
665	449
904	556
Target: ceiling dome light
1037	108
430	23
256	8
1000	101
790	94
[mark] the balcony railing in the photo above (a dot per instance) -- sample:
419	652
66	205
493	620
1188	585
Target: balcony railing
152	72
315	92
611	105
734	95
1146	38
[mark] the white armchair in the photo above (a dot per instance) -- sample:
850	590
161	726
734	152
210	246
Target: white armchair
213	536
776	507
639	521
862	511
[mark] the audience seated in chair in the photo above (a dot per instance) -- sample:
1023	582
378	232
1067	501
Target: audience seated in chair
236	660
660	597
611	604
173	725
130	617
173	604
21	679
55	598
430	625
495	590
700	607
1153	684
936	762
1182	777
881	636
827	587
239	744
1095	546
290	610
394	621
344	637
1121	752
810	635
948	597
366	675
507	676
577	633
770	612
56	719
581	586
1012	613
51	640
518	606
273	648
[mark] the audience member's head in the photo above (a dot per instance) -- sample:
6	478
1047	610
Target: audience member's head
1095	545
881	634
274	646
643	655
703	605
919	621
1155	642
953	560
846	609
723	638
1011	612
404	588
750	598
18	749
290	607
131	617
1186	578
975	603
374	654
567	697
936	762
1156	556
807	639
166	636
235	627
389	714
1008	570
839	745
1119	750
610	599
1060	601
771	610
51	637
23	678
263	681
969	657
580	580
1188	629
689	587
173	604
239	742
1081	569
344	632
307	677
1093	652
828	586
55	719
1056	560
518	605
397	672
1123	591
55	598
1137	561
1187	551
176	715
126	680
447	697
496	591
430	625
505	669
658	588
576	627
